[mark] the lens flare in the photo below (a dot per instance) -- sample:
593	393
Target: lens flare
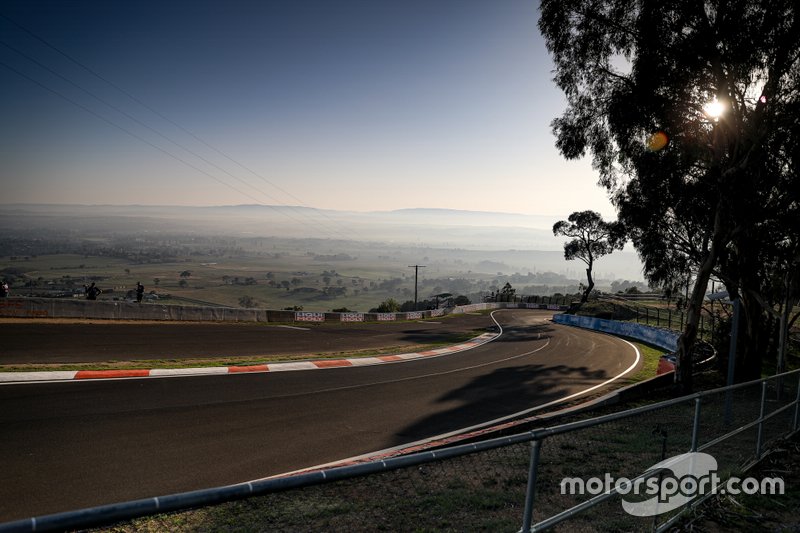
657	141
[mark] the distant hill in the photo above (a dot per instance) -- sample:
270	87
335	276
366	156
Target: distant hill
417	227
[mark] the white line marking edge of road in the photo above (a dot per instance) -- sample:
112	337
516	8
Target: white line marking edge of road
477	426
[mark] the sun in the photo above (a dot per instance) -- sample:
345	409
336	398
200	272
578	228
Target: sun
714	109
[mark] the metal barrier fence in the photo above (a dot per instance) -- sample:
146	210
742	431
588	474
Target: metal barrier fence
666	317
503	484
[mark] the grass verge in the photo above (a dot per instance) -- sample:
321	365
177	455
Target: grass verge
455	338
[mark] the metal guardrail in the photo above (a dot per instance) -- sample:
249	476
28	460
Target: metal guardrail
494	477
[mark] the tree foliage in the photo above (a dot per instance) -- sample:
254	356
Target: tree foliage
388	306
690	112
592	238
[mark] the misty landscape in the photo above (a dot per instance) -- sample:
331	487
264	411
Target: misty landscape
279	257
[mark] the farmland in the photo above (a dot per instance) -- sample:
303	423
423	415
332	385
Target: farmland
232	257
266	273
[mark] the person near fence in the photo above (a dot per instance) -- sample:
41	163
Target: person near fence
4	289
139	292
92	291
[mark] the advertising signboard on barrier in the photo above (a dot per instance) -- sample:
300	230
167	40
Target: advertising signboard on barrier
663	338
351	317
386	317
308	316
414	315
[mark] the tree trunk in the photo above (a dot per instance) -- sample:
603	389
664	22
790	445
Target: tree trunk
683	367
752	341
589	287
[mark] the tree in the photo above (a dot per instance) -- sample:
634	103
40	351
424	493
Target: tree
183	283
247	301
507	293
186	274
592	238
389	306
461	300
156	281
689	109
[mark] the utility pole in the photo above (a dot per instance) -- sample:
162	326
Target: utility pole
416	279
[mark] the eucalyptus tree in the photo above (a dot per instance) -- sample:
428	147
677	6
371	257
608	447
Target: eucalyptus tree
592	238
689	110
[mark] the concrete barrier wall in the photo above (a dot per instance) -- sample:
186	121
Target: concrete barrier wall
79	308
663	338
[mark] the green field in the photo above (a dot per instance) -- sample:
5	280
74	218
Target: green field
279	279
262	272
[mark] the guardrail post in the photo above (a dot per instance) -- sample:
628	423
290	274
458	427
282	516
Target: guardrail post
796	407
696	424
761	419
527	519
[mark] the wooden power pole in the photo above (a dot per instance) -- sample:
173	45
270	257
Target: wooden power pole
416	280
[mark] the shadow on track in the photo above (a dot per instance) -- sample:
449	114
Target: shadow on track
500	393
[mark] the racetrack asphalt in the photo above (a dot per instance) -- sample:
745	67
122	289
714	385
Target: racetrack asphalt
52	342
77	444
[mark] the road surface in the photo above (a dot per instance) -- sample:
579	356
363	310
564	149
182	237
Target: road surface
76	444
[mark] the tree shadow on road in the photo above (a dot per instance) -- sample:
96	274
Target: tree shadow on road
498	394
510	334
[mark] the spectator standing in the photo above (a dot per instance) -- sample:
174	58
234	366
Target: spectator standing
139	292
92	291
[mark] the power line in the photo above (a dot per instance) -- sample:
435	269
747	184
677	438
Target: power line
143	104
134	119
114	124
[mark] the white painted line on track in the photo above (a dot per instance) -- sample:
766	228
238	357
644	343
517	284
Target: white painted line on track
293	327
477	426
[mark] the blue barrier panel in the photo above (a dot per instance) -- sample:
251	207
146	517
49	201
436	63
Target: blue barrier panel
663	338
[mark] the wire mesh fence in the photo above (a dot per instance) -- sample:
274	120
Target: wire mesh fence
568	477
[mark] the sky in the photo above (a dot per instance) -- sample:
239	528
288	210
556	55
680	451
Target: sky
362	105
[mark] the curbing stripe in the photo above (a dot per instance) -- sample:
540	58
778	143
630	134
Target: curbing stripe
74	375
332	364
251	368
407	356
365	361
210	370
105	374
13	377
282	367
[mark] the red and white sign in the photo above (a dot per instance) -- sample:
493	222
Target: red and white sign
352	317
308	316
